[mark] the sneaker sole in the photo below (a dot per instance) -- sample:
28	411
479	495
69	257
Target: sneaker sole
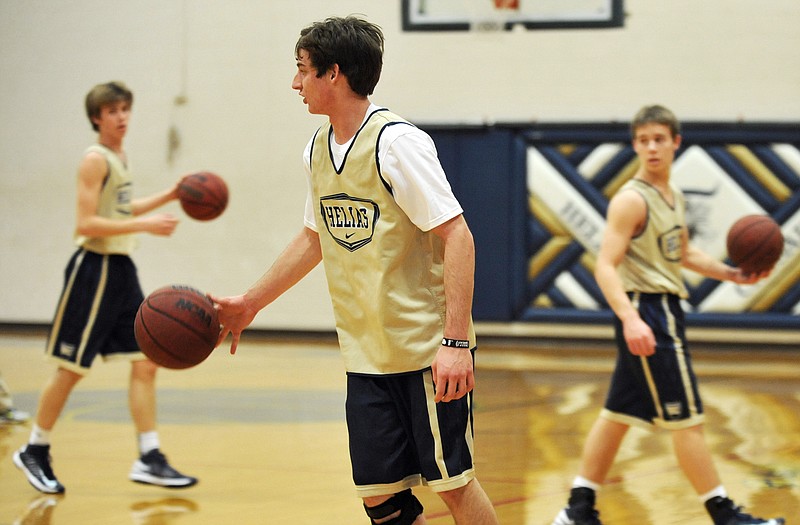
563	519
147	479
33	480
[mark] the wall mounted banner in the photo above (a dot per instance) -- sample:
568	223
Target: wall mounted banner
570	183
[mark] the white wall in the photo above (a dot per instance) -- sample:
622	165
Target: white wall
233	62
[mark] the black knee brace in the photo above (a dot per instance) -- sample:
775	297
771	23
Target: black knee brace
405	502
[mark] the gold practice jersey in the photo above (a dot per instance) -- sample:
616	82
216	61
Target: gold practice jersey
652	263
115	203
385	274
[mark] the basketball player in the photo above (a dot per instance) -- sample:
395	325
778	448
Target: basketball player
644	246
101	295
399	260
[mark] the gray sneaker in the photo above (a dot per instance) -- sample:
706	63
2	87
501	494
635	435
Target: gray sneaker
152	469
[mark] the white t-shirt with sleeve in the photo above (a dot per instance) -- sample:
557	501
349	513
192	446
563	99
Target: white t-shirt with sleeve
410	165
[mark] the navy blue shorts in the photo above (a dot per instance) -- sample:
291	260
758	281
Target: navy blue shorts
660	389
400	438
96	311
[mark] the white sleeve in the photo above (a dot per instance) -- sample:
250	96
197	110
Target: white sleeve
410	165
309	218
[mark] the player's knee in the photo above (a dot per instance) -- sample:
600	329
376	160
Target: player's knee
144	370
401	509
453	498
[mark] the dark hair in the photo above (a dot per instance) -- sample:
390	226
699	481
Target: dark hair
103	95
353	43
655	114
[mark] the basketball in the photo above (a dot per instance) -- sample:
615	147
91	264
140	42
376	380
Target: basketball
177	327
203	195
755	243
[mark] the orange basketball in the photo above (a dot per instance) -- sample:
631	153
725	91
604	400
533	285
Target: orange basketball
177	327
203	196
755	243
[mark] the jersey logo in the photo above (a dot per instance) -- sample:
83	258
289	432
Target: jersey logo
350	220
674	409
67	350
671	243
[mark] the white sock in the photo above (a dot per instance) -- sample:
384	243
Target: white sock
580	481
148	441
39	436
718	491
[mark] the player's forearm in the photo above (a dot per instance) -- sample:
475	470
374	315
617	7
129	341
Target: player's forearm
459	280
145	204
97	226
614	292
698	261
300	257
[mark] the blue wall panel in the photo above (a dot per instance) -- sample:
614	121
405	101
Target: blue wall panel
535	198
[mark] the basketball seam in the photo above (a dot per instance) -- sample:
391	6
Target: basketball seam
179	321
213	201
753	252
176	357
160	311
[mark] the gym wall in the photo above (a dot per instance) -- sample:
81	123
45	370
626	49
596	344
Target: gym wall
212	86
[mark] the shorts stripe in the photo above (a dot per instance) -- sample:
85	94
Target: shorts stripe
430	393
98	297
469	431
62	303
680	355
651	384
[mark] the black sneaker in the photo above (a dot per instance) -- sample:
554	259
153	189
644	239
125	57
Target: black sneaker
34	461
724	512
580	509
153	469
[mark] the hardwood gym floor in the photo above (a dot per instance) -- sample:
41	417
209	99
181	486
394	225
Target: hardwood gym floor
264	431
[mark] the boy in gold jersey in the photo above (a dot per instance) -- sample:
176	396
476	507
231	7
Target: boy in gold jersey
399	260
644	247
101	296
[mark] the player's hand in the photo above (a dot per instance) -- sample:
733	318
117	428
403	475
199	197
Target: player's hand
639	337
161	224
453	373
235	314
738	276
173	191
